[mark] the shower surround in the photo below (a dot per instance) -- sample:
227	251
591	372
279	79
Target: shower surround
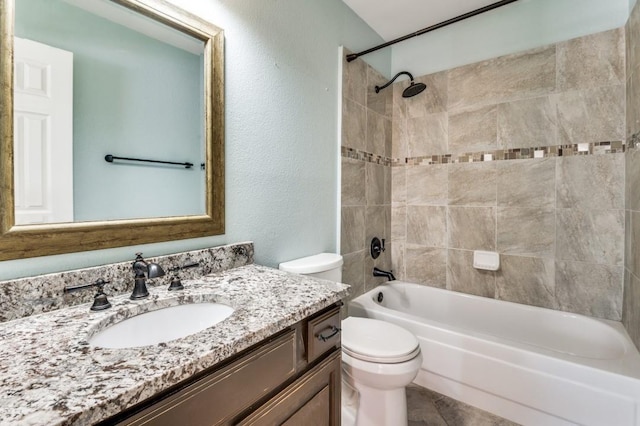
522	154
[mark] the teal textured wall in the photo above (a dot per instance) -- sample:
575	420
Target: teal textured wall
518	26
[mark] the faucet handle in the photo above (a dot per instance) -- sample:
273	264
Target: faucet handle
73	288
176	284
100	301
100	283
377	247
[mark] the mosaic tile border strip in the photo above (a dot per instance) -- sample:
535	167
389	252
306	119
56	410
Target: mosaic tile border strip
593	148
367	157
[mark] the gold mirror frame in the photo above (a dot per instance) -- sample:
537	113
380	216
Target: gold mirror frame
17	242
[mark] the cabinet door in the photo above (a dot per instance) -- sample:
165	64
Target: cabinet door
315	412
219	397
312	400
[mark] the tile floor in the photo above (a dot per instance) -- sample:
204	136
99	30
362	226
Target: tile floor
428	408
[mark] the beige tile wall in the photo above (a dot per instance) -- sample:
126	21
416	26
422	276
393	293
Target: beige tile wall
366	185
631	305
558	222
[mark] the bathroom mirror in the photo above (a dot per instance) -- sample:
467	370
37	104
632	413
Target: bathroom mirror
150	204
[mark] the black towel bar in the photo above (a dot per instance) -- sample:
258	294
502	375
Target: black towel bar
109	158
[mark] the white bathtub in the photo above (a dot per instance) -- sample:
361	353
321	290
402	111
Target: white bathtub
531	365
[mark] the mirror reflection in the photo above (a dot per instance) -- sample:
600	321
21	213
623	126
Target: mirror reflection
94	79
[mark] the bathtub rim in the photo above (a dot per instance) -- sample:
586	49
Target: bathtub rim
627	365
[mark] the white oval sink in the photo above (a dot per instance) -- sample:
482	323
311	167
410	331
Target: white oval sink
162	325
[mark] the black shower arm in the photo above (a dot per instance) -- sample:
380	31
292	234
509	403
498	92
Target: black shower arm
379	88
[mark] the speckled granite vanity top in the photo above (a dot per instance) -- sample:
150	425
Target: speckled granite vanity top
50	375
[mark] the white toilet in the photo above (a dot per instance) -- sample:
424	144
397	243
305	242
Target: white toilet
378	358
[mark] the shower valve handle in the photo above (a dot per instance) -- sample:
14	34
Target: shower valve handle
377	247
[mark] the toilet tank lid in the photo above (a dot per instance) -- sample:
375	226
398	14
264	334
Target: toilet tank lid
313	264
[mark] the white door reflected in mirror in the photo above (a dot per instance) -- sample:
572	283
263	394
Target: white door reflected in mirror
43	133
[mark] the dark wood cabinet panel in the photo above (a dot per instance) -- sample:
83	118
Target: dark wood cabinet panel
314	412
323	333
313	399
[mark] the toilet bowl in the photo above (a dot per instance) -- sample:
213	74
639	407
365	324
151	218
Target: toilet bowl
378	358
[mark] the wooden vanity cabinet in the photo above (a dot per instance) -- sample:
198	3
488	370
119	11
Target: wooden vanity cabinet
291	378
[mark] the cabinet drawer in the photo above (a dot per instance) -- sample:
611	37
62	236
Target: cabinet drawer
323	333
223	394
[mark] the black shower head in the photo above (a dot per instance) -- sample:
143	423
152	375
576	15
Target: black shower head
412	90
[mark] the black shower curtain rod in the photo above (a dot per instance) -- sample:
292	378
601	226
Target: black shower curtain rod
353	56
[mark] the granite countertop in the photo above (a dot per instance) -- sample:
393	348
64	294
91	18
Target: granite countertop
49	375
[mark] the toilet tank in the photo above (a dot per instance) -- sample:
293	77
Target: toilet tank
327	266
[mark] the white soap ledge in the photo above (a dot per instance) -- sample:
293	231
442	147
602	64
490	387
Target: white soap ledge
486	260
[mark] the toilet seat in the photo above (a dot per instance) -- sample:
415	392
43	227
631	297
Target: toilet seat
378	341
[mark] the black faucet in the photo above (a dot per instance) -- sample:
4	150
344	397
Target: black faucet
380	273
140	268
